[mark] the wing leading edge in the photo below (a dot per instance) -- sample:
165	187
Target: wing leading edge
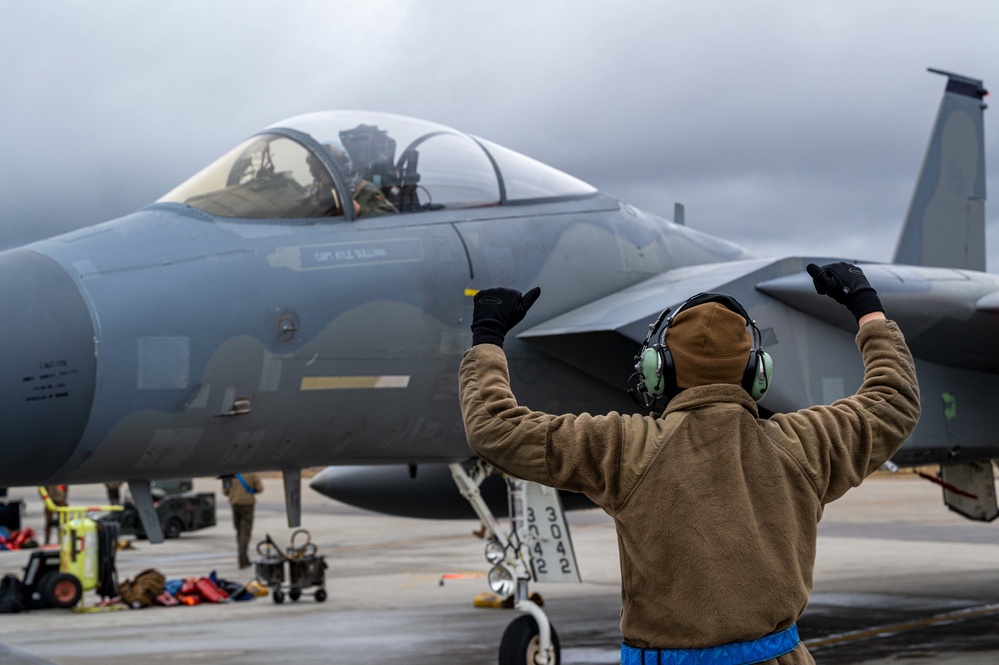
602	337
949	317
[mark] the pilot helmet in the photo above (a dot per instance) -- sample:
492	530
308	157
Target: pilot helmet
341	158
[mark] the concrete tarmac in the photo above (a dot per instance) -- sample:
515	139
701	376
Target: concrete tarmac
899	579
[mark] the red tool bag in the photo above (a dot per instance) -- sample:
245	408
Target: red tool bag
210	592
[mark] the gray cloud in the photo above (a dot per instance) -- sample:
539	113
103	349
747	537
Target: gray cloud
787	127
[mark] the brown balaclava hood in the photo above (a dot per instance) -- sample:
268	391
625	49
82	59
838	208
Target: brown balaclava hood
709	344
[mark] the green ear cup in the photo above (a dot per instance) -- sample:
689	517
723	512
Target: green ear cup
651	374
761	380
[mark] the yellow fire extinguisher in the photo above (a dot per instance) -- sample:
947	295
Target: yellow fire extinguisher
78	550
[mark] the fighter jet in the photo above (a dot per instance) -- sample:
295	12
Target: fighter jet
305	300
936	288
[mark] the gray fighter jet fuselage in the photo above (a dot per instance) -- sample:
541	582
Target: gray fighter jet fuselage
174	342
255	318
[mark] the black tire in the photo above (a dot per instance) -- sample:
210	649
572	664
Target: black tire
61	590
295	594
320	595
520	643
278	597
173	528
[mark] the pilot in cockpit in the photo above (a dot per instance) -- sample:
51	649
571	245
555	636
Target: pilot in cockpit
369	201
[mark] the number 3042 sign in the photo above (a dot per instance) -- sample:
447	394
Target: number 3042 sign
552	556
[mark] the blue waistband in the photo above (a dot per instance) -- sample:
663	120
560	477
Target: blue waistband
736	653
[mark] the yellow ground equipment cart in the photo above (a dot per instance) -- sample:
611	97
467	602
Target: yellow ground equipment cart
87	549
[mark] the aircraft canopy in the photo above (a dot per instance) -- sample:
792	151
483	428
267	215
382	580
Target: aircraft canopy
307	166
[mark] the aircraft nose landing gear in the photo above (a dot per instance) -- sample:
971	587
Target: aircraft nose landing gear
538	548
522	640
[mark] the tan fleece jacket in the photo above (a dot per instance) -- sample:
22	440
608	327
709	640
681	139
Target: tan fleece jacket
238	496
716	509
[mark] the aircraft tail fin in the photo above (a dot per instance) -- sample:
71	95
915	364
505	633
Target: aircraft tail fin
945	225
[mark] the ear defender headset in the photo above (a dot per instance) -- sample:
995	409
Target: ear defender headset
655	373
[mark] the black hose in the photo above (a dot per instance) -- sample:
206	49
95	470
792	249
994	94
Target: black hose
107	549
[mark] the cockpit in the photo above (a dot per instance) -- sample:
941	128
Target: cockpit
353	164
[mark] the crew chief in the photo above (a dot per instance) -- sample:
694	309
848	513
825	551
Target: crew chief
716	509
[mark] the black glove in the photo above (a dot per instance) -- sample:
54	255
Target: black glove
497	310
846	284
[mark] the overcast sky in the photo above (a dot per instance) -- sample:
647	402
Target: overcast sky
789	127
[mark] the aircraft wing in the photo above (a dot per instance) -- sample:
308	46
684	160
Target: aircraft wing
603	337
950	317
629	311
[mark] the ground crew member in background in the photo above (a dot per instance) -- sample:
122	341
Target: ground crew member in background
60	497
114	493
716	510
242	490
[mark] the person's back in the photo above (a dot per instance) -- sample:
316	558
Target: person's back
717	536
241	490
716	510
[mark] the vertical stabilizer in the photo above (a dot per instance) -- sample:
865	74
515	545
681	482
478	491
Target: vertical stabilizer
945	226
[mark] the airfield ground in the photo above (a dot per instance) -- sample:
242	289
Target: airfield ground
899	579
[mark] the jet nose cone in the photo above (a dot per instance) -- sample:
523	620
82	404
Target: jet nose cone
47	367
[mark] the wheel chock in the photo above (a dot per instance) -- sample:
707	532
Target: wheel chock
491	600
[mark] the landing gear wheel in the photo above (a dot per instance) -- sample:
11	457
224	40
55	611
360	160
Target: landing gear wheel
520	644
320	595
61	590
295	594
279	597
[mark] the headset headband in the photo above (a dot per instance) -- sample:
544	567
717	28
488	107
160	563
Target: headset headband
655	375
726	301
